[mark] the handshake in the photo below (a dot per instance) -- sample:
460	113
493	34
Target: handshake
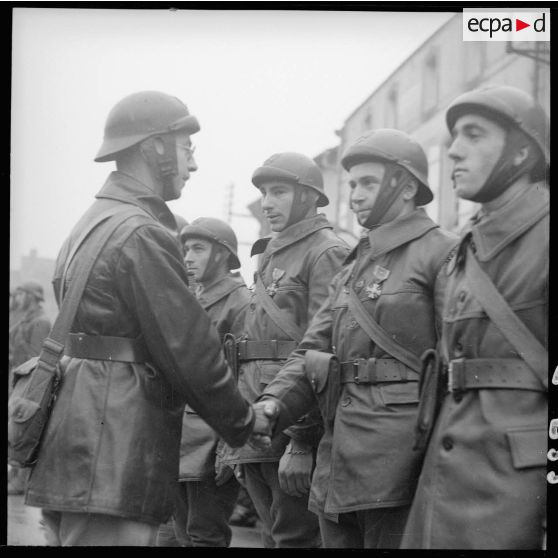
266	414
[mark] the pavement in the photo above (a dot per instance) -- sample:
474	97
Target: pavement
24	528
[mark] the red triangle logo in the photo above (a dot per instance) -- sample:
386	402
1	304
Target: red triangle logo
519	25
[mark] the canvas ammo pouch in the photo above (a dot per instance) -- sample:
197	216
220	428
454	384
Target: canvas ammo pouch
35	388
323	372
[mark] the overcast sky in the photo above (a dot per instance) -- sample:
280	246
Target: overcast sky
259	82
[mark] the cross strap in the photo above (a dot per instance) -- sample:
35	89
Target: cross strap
279	317
379	335
506	320
53	345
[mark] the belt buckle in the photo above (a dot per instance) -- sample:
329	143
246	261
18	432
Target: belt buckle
357	363
455	375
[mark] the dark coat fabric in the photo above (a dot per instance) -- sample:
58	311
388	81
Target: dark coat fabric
225	302
365	459
483	483
310	254
112	443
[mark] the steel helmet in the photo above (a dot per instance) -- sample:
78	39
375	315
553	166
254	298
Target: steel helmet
214	230
392	146
294	168
506	104
33	288
141	115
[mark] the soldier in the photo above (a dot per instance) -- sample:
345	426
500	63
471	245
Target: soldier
207	487
295	268
28	329
141	347
361	354
483	483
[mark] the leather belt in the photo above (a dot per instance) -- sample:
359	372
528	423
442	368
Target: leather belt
485	373
269	349
103	347
375	371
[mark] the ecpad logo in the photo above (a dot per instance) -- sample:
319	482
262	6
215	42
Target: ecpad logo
490	25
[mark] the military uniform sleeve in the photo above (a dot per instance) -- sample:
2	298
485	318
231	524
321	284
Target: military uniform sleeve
184	345
291	388
309	428
324	268
440	283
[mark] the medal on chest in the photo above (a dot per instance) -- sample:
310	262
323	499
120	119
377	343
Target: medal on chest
374	288
276	275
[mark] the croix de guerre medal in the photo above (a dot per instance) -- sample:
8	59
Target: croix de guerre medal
276	275
374	289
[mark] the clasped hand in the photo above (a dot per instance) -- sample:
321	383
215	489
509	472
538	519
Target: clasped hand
266	413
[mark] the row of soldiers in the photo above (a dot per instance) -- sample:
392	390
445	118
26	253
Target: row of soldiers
390	395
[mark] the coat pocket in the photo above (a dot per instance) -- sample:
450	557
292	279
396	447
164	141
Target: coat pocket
400	393
528	445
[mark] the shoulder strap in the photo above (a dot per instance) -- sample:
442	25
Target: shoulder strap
380	336
103	216
53	345
506	320
278	316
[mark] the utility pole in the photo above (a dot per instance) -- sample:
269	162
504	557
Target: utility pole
231	213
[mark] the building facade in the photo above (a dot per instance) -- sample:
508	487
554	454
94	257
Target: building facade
414	98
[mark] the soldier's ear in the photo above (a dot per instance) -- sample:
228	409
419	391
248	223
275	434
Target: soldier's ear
521	155
410	190
309	195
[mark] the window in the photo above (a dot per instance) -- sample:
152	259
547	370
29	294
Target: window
391	113
367	122
475	56
430	84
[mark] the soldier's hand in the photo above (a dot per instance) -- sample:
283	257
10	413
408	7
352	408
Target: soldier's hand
223	472
266	414
295	469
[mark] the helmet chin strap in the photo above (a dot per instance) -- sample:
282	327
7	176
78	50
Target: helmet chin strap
302	203
505	171
213	264
164	164
393	183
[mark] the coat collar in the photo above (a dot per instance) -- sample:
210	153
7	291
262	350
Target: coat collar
494	231
398	232
291	235
125	188
214	292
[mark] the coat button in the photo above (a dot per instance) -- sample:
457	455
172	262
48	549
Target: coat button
457	397
359	284
462	296
352	324
447	443
252	306
458	350
346	401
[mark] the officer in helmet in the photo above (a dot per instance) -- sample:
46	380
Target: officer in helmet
483	483
361	354
295	267
29	327
207	487
140	347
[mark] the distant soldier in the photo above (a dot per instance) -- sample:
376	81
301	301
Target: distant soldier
28	329
294	271
207	487
483	482
361	353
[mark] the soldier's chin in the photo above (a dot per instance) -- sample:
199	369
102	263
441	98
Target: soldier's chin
362	216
